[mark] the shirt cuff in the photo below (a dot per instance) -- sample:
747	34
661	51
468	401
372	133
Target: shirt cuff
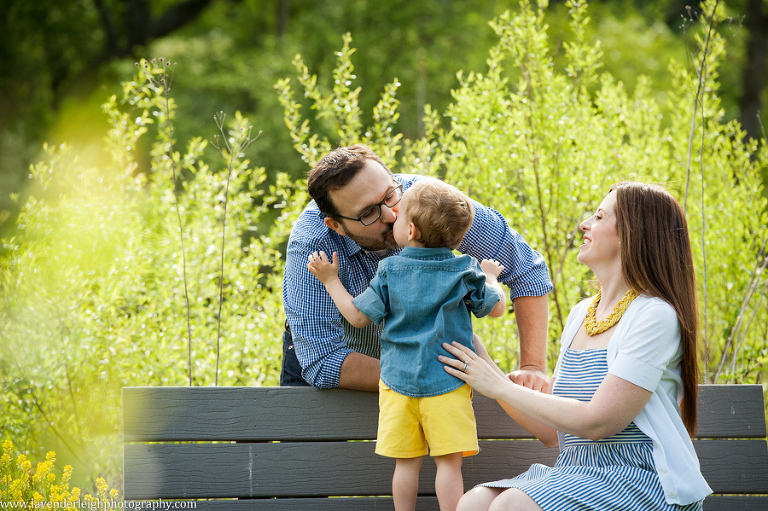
328	373
535	282
636	372
369	303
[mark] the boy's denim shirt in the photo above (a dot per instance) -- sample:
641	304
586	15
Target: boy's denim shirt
424	297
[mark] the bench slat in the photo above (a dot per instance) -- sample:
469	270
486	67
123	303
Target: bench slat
731	411
156	414
735	503
300	469
734	466
306	469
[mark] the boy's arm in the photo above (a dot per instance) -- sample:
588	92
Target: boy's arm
328	273
492	270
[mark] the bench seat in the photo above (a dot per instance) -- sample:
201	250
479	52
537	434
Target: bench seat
294	447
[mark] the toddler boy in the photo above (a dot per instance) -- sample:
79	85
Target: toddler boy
424	296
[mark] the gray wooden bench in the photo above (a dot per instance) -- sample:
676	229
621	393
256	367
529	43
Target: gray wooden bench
292	448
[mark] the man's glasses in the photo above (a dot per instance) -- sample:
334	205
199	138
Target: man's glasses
373	213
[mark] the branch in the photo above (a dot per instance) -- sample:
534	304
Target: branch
161	87
702	80
230	151
112	46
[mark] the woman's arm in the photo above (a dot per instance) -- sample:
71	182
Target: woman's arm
545	434
614	405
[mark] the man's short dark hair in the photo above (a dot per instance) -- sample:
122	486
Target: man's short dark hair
334	171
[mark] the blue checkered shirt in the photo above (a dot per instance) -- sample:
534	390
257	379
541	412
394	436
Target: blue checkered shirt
322	338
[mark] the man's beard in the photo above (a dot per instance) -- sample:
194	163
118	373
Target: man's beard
385	241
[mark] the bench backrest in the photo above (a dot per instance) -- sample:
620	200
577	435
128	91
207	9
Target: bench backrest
303	443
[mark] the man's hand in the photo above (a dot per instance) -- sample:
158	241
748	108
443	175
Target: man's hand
531	377
322	268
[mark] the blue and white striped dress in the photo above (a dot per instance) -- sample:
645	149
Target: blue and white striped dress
615	473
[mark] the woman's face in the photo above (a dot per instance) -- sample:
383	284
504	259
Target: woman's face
601	238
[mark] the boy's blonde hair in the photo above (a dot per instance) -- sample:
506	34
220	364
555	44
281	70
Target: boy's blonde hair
441	212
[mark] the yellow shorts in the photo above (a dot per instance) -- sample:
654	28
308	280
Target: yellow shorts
410	427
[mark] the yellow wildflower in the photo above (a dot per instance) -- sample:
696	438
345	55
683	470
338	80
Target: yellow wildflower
101	486
41	488
18	485
41	473
67	474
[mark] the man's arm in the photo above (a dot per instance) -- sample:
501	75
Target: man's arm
532	315
526	275
315	322
360	372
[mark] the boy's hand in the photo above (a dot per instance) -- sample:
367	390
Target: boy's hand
491	267
322	268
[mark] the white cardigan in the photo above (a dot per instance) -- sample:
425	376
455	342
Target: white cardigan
645	350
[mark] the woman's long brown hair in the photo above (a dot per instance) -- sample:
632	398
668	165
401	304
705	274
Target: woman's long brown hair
656	258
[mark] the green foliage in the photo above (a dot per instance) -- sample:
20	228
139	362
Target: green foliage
544	144
93	289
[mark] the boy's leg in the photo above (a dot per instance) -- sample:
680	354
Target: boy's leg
405	483
449	484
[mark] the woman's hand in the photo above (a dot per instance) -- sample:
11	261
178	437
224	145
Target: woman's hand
471	368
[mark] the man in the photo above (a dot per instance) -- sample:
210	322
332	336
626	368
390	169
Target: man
356	200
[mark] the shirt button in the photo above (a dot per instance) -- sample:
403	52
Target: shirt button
673	494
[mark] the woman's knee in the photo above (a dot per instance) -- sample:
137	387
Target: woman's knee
478	499
513	500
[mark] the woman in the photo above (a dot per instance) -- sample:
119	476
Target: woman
628	358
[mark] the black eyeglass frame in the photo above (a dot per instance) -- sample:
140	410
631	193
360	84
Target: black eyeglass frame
398	188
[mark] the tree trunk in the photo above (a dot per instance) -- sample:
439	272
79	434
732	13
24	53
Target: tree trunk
283	12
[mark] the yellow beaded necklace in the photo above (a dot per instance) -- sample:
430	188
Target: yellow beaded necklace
594	327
